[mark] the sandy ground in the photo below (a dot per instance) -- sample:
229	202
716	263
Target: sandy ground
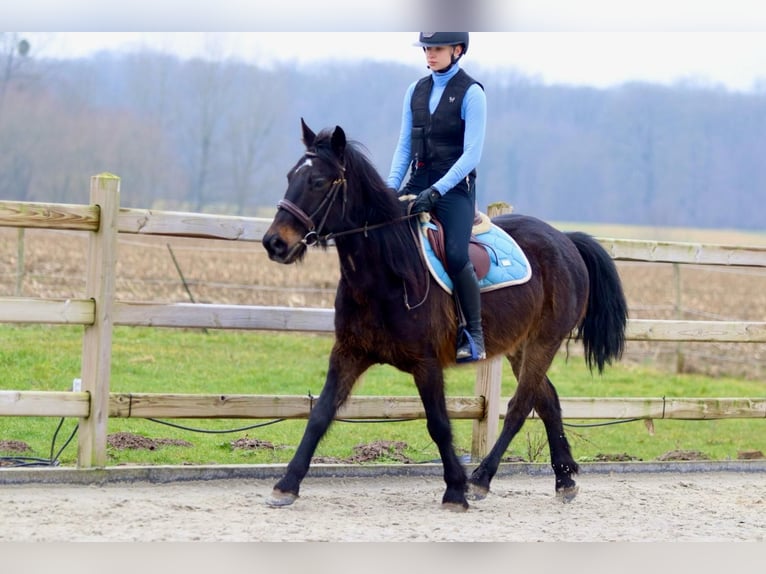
709	506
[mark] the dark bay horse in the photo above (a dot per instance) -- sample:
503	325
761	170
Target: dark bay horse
388	310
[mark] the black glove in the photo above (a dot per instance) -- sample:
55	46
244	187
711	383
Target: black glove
426	200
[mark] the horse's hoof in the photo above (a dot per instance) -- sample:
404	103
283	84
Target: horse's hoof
455	506
568	493
279	498
476	492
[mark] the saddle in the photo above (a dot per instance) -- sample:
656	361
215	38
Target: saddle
497	259
477	251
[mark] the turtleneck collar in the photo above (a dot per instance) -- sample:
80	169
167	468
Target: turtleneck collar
441	78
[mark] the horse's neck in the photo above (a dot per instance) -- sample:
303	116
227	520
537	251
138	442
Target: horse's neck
363	267
375	269
377	261
360	260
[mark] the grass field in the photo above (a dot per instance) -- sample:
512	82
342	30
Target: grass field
185	361
223	362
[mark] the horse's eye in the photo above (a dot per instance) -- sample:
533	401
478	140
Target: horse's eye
319	183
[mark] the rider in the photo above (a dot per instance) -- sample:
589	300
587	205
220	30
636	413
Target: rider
440	141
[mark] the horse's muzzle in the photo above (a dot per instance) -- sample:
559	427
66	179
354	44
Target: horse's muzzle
280	251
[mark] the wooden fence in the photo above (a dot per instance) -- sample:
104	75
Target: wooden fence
99	312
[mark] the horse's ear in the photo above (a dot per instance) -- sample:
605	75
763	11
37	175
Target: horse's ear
308	135
338	141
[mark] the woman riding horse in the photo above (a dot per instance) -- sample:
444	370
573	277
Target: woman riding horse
335	193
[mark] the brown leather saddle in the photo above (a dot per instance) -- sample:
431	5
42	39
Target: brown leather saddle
477	253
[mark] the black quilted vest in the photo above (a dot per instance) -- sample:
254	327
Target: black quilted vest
437	140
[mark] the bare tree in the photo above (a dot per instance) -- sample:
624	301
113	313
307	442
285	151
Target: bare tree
14	52
249	126
203	123
15	169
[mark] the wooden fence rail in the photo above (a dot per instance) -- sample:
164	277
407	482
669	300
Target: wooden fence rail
309	319
99	312
201	406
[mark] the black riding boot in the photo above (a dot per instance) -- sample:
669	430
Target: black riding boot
470	346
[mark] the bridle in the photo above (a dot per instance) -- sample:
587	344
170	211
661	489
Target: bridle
313	236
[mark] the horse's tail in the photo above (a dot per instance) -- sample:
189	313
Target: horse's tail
602	330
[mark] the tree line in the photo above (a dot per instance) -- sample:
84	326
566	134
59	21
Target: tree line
219	136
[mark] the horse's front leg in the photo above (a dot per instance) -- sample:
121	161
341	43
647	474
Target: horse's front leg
341	376
430	382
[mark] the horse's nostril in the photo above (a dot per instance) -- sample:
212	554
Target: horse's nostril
274	245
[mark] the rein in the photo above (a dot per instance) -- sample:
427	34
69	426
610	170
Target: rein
364	229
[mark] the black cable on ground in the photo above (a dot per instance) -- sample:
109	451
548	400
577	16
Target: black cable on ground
590	425
22	461
28	461
207	431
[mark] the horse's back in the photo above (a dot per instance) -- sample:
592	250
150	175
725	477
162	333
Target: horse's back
555	260
532	233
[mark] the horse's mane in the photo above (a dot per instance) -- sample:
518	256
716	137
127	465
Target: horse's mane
371	202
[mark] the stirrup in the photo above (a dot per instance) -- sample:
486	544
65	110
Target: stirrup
468	351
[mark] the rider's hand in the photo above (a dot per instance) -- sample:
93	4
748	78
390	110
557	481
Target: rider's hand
426	200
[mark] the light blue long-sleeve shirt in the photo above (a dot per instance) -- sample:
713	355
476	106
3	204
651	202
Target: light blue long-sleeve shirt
473	112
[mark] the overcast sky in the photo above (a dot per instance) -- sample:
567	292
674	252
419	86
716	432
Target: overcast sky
585	42
736	60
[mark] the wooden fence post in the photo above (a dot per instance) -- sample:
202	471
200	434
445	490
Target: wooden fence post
20	253
488	384
679	312
97	340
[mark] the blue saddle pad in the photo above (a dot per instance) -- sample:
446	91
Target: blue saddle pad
508	264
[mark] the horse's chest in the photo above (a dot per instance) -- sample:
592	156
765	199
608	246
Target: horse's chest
366	317
372	323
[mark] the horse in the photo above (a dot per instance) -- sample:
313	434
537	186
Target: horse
387	311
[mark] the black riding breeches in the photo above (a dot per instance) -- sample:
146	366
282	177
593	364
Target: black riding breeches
455	210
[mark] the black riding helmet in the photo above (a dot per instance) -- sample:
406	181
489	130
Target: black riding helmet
443	39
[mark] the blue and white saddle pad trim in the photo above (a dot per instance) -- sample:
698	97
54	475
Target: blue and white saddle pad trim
508	263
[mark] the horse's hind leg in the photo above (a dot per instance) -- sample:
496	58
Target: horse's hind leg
564	466
341	376
530	365
519	408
